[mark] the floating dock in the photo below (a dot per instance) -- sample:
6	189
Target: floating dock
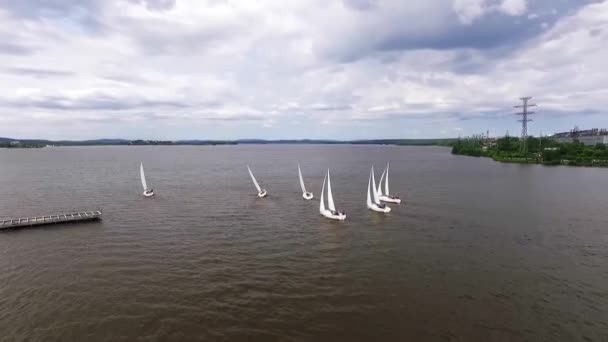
81	216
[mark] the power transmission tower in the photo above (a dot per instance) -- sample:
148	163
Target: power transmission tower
524	122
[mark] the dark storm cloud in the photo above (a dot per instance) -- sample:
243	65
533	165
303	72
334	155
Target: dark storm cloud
361	5
92	102
234	117
8	48
37	72
489	32
326	108
127	78
398	115
466	62
210	116
481	115
426	112
154	116
83	12
158	5
42	8
157	37
595	32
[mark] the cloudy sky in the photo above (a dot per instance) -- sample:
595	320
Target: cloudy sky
342	69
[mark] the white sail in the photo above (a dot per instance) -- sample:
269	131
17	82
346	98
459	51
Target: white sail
301	180
330	197
257	186
380	183
374	190
322	205
369	184
387	193
143	176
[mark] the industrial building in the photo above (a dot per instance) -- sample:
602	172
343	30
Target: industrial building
588	137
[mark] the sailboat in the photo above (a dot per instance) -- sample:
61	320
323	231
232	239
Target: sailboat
147	192
372	196
330	213
307	195
261	192
386	196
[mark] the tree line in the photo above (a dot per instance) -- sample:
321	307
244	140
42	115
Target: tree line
539	150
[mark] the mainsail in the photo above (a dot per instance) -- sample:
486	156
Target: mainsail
330	198
369	184
387	193
375	191
257	186
143	176
301	180
322	205
380	183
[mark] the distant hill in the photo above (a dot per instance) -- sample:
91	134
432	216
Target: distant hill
5	142
419	142
67	142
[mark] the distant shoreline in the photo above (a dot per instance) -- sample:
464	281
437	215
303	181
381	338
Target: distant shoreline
39	143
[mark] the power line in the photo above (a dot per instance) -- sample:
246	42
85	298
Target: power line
524	122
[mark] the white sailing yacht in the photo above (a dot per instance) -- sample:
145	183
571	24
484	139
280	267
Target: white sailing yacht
386	196
261	192
307	195
372	196
330	213
147	191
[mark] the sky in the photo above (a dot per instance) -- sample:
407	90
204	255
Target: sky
317	69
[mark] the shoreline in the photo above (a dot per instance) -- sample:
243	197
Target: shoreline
564	162
546	152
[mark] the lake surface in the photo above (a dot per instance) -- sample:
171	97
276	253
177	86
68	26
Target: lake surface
480	251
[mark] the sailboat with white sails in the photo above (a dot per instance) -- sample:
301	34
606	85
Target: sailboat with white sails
307	195
372	196
261	192
147	191
386	196
331	212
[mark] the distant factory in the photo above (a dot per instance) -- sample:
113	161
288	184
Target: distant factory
588	137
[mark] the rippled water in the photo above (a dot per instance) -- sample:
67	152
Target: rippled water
481	251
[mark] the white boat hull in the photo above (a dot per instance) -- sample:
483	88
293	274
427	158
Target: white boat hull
148	193
330	215
262	194
389	199
376	208
307	195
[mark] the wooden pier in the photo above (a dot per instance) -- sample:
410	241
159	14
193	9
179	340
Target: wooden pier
82	216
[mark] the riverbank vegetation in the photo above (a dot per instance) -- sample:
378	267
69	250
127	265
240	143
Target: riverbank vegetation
19	145
539	150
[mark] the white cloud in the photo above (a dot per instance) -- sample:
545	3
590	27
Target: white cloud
253	64
513	7
470	10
